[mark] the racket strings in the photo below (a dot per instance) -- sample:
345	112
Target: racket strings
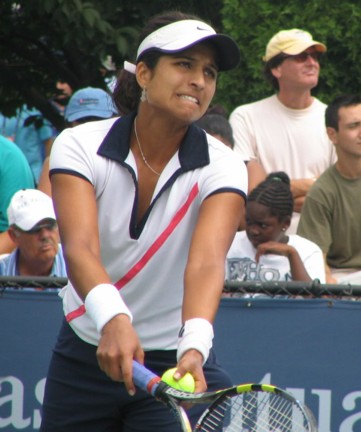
255	412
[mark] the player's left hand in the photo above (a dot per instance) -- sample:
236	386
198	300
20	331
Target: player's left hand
192	362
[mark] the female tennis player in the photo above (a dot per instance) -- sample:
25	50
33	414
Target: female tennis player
147	206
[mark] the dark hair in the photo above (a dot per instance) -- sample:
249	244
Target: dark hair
275	192
127	92
217	124
346	100
271	64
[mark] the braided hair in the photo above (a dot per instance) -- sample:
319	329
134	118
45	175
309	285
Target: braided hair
275	193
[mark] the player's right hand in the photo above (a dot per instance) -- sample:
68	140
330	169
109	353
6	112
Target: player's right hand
118	346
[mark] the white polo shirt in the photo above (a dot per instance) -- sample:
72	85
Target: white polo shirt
146	261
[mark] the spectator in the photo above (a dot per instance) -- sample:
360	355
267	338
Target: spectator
286	131
31	133
264	252
63	92
331	214
34	231
108	70
15	174
87	104
139	200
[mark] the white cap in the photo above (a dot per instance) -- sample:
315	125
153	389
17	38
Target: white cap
28	207
181	35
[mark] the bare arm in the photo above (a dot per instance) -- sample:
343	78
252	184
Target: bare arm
256	174
329	278
44	184
299	189
204	275
298	270
6	244
76	211
48	144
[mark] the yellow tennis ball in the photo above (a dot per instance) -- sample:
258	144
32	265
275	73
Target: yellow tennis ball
186	383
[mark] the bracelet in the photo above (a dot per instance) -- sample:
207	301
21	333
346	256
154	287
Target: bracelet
103	303
196	333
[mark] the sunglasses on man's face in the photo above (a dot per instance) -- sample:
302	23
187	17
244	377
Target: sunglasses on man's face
303	56
50	226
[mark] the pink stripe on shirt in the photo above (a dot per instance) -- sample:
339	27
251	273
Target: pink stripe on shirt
149	253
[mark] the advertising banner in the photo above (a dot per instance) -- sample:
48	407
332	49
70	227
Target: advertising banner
307	346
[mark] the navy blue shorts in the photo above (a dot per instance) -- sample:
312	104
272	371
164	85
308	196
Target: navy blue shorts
79	397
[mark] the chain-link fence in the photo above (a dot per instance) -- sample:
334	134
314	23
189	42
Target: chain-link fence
288	289
291	289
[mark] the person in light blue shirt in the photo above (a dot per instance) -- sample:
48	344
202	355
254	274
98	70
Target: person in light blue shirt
15	174
34	231
31	133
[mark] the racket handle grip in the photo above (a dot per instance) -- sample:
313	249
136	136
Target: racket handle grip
144	378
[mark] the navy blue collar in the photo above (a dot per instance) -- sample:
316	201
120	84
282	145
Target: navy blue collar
193	152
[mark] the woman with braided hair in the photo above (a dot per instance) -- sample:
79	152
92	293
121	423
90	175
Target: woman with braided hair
264	252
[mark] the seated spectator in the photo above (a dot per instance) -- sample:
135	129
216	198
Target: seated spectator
34	231
15	174
87	104
331	213
264	252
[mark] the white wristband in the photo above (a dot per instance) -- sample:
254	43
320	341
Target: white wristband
196	333
103	303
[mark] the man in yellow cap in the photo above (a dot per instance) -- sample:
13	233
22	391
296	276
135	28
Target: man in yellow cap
286	131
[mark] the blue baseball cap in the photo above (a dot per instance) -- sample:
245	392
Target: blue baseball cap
90	102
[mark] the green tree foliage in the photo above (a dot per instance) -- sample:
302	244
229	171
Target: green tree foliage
42	41
253	22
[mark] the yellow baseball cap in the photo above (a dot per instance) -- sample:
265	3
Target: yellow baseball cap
291	42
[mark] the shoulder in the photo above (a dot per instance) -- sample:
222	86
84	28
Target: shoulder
239	244
318	104
217	147
4	258
10	149
301	243
324	185
88	133
252	107
8	264
226	166
79	143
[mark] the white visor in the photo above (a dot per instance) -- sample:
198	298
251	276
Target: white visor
181	35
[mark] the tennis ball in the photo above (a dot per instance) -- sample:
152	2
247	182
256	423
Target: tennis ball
186	383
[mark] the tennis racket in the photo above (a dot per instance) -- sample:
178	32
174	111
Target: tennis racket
242	408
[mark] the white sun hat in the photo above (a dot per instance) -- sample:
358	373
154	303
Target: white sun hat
181	35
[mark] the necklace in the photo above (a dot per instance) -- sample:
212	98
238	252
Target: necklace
141	151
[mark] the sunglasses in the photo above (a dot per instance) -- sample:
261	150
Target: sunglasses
50	226
303	56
